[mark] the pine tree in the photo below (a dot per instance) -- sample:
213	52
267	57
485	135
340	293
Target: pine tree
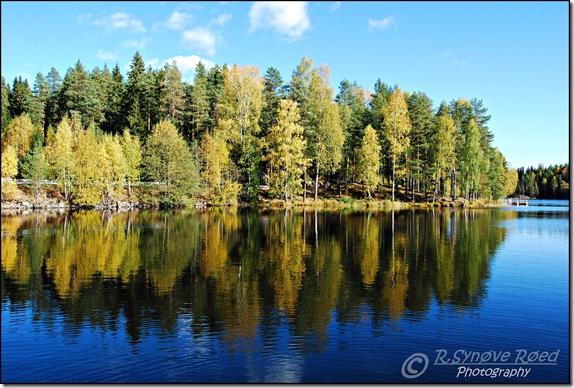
40	96
79	94
199	104
172	92
19	98
353	113
114	119
52	114
418	152
133	104
5	105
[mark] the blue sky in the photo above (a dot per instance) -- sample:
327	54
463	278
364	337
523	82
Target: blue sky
511	55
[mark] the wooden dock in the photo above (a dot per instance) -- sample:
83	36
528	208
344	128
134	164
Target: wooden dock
515	201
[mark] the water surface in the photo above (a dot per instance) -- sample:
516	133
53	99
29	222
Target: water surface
229	296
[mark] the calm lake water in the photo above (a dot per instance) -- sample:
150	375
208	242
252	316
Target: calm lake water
231	296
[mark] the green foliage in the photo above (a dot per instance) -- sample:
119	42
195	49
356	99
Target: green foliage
397	128
369	157
285	158
86	172
113	161
172	92
19	135
19	98
79	94
231	117
5	105
552	182
34	166
471	158
60	156
168	162
132	153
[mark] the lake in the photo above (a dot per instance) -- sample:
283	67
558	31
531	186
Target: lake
236	295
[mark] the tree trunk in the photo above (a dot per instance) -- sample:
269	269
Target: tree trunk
393	195
316	182
435	188
453	191
305	184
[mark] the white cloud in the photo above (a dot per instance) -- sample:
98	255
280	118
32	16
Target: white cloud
383	24
336	6
201	39
285	18
120	20
178	20
152	62
137	44
188	64
106	55
222	19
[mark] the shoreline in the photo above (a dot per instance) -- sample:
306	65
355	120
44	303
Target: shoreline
26	204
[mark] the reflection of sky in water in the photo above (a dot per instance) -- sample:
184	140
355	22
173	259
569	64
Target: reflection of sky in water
523	304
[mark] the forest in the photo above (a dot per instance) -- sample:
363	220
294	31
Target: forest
236	136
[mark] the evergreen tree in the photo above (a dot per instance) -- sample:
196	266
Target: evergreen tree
354	116
172	92
19	98
133	102
150	98
52	114
418	152
114	120
79	94
40	95
199	104
5	105
34	165
215	80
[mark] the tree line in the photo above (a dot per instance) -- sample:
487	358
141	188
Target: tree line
552	182
233	130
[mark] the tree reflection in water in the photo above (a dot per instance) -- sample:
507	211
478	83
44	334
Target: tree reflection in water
238	274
